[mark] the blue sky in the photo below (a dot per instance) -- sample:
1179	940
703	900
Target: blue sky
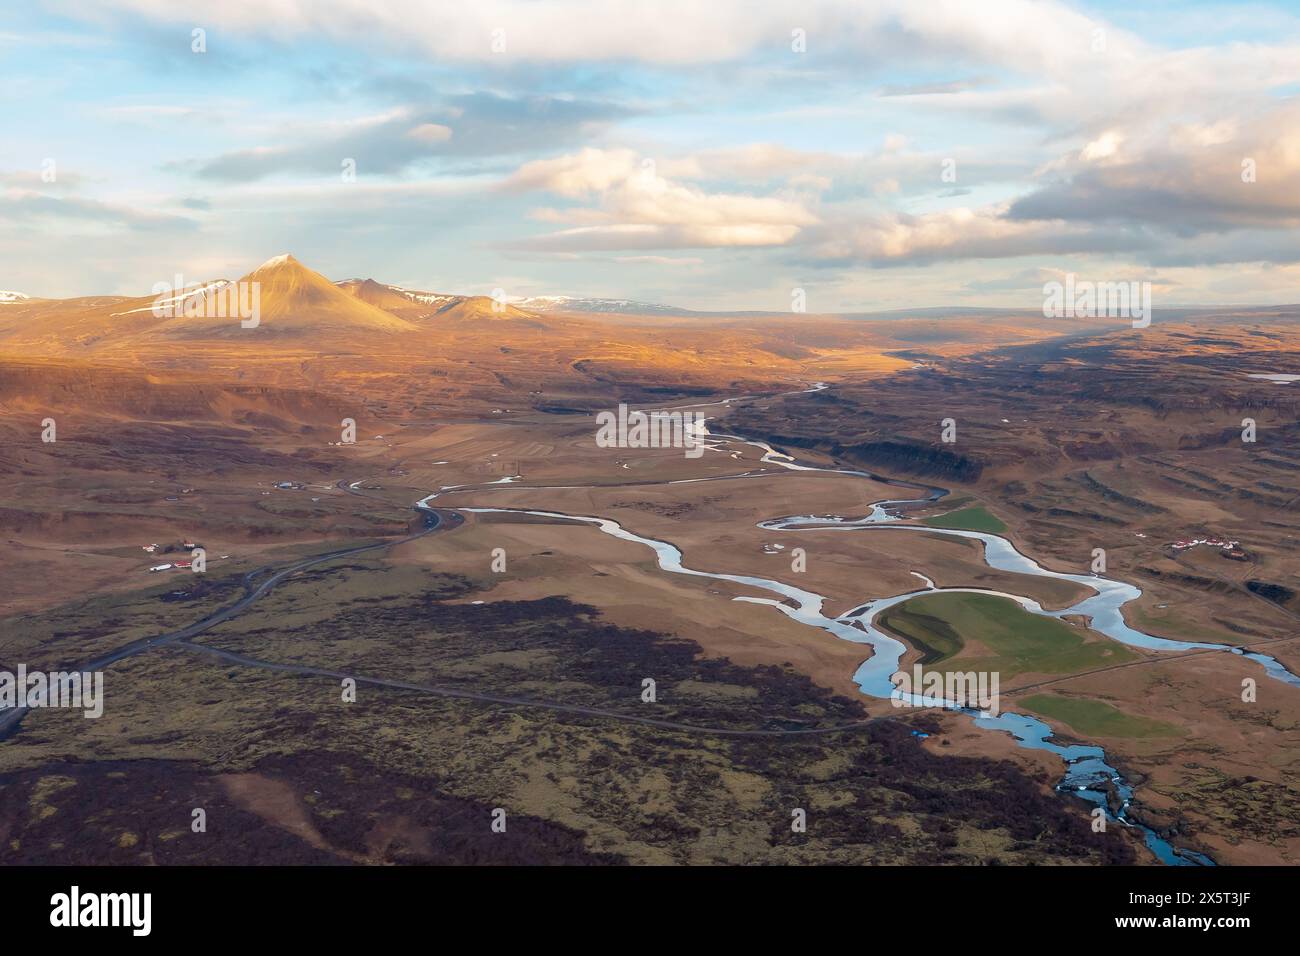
674	151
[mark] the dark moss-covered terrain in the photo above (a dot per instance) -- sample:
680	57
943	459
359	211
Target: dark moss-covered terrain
287	771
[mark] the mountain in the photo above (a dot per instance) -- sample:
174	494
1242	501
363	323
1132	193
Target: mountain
294	301
482	308
297	309
7	298
415	305
568	303
387	298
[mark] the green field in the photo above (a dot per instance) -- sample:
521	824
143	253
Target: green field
179	725
1095	718
977	518
1169	623
1014	641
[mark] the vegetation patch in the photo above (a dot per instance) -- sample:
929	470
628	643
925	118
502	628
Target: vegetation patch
1018	642
976	518
400	776
1096	718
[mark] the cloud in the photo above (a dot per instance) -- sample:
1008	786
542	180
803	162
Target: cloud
65	180
578	174
750	162
637	208
1040	34
893	238
20	205
647	236
430	133
677	261
1070	136
155	112
1184	178
943	88
479	124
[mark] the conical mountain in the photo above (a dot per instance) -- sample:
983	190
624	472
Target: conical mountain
297	309
296	300
290	301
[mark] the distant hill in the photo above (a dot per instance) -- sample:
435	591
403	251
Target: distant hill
393	347
568	303
385	297
415	305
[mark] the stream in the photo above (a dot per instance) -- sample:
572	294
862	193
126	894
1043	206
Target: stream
1088	775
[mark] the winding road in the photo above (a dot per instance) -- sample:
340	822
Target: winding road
433	521
808	611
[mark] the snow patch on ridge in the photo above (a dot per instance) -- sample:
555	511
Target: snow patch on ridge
428	298
276	261
570	303
180	297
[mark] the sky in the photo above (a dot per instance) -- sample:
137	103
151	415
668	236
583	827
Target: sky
876	155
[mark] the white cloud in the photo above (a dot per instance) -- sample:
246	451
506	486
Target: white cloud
1184	177
1103	147
637	208
430	133
959	233
680	261
1041	34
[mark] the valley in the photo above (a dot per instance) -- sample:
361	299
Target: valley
500	587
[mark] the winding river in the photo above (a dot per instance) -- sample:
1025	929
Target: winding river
1088	775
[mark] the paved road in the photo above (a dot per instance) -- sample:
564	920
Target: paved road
433	520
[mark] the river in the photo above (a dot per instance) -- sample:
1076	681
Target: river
1088	775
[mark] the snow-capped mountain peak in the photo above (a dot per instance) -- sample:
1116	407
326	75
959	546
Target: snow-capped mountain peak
276	261
571	303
